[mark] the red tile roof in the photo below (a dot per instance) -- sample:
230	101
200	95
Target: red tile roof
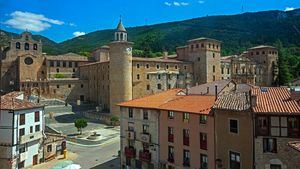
171	100
274	100
10	102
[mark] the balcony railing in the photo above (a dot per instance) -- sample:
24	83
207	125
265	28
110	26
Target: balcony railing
186	141
186	162
145	156
171	158
203	145
171	138
130	152
145	137
31	137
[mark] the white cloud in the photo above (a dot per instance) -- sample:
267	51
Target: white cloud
77	33
168	3
201	2
72	24
289	9
31	21
176	3
184	3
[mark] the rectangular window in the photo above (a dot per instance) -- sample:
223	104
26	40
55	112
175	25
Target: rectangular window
186	158
51	63
147	66
22	132
64	63
293	126
146	129
203	141
269	145
157	66
57	86
235	160
37	128
36	116
171	134
159	86
57	63
275	166
76	64
130	126
158	76
203	161
148	87
137	65
22	119
31	129
214	69
170	114
171	154
57	70
186	116
203	119
148	76
262	125
233	126
49	148
138	77
70	64
69	86
145	115
130	112
186	137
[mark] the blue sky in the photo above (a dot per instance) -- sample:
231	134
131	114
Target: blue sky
60	20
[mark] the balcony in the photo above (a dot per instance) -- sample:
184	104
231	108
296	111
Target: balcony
145	156
131	135
31	137
171	158
171	138
130	152
203	145
23	156
186	141
145	137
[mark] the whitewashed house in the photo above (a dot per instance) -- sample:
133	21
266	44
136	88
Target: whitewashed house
21	132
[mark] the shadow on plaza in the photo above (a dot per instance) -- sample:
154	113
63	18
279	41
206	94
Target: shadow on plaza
70	118
114	164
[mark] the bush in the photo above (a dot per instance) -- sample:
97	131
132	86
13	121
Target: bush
59	75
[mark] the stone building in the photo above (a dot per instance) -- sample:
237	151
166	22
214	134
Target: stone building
113	75
277	131
26	68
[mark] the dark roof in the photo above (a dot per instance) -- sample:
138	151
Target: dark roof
233	101
202	89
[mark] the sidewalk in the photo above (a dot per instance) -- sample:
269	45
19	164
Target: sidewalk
48	165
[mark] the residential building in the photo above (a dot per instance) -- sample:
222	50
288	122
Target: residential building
234	130
21	132
277	130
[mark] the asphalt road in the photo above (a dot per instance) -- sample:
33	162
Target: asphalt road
97	157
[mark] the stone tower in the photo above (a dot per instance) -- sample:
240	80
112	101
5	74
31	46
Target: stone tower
205	53
267	57
120	69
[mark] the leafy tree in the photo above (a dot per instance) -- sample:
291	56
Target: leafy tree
80	124
59	75
114	120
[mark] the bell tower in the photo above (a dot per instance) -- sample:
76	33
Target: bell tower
120	69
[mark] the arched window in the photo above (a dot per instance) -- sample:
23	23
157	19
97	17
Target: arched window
122	37
18	45
26	46
34	46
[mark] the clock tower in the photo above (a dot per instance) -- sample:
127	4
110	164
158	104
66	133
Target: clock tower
120	69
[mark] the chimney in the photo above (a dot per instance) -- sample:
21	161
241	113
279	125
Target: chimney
216	91
253	100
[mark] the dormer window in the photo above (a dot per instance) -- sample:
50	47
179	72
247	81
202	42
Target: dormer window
18	45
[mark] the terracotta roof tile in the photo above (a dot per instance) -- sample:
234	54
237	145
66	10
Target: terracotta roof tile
11	102
274	100
170	100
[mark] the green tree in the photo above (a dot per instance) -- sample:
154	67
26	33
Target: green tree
80	124
59	75
284	77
